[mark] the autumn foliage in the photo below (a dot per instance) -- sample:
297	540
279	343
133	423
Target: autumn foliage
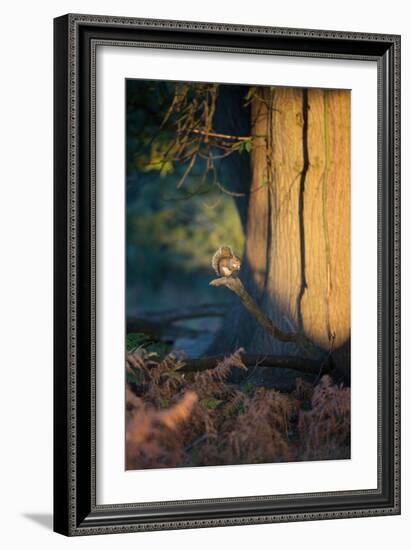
179	419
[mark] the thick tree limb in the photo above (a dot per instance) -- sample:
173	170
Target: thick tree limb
235	284
301	364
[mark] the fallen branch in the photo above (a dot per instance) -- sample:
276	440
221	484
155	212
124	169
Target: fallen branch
301	364
235	284
159	331
161	324
182	313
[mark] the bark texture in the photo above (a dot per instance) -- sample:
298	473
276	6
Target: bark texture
296	261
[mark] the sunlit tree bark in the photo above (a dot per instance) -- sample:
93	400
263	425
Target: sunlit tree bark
297	252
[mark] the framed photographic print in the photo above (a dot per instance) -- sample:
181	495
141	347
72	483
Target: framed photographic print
227	279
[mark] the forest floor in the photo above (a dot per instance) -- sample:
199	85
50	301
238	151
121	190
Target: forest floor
176	418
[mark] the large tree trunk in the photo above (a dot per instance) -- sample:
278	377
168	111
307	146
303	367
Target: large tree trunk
297	254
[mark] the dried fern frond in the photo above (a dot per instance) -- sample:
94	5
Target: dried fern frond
213	381
325	430
179	412
187	419
151	438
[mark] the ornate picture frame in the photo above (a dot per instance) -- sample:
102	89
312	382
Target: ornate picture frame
76	40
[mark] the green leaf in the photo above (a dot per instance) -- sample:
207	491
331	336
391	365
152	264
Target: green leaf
211	403
134	376
136	339
249	389
160	348
250	93
248	146
237	409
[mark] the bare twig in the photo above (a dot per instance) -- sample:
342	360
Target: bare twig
196	442
208	133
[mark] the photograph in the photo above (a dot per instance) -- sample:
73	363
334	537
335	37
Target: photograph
226	273
238	265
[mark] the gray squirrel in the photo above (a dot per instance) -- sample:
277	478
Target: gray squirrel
225	263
